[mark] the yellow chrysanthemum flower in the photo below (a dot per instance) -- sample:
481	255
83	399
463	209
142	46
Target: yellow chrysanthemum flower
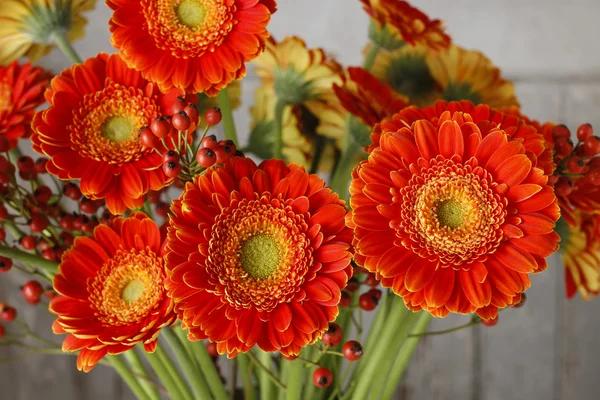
469	75
29	27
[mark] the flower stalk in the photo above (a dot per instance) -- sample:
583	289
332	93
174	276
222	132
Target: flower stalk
31	259
138	368
227	113
130	379
60	38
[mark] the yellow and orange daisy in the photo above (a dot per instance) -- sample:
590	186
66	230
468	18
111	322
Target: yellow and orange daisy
198	46
469	75
412	24
21	92
580	252
27	25
111	293
91	131
452	214
257	256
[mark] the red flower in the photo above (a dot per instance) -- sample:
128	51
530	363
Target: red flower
111	291
451	211
194	45
257	256
413	25
21	91
367	97
90	131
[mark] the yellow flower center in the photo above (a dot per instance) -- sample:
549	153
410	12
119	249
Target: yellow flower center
118	129
450	210
191	13
450	214
260	256
105	126
5	97
128	287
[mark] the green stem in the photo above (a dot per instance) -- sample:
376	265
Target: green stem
207	366
370	59
343	172
295	379
266	378
278	142
246	376
60	38
129	378
167	374
192	373
227	115
31	259
406	351
137	367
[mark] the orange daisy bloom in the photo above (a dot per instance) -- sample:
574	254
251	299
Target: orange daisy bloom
413	25
111	292
486	118
21	91
451	212
194	45
90	131
581	255
367	97
257	256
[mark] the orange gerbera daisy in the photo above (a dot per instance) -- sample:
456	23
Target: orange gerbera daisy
581	254
257	256
90	131
111	292
21	91
451	213
511	123
367	97
194	45
413	25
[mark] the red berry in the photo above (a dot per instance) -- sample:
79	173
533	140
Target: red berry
72	191
5	264
171	169
563	146
40	165
561	131
230	144
88	206
179	105
552	179
346	299
44	244
4	178
171	155
67	238
322	377
367	301
593	176
192	111
50	294
42	194
154	196
490	322
4	144
352	350
210	142
147	138
49	254
4	163
576	165
162	209
2	331
591	146
25	164
223	153
38	222
375	293
564	187
28	175
211	348
32	291
333	335
584	131
206	157
66	222
2	234
212	116
28	242
371	280
86	224
3	212
8	313
161	127
181	121
353	285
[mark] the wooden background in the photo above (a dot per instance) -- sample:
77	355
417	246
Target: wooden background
546	350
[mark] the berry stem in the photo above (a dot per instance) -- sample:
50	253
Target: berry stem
474	321
227	113
16	254
265	374
60	38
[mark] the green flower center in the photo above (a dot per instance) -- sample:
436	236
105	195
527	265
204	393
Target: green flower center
450	214
133	291
191	13
117	129
410	76
260	256
461	91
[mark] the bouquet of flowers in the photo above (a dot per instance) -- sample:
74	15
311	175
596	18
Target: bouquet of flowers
161	246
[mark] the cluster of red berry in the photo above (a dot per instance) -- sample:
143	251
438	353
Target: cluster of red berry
368	300
575	163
